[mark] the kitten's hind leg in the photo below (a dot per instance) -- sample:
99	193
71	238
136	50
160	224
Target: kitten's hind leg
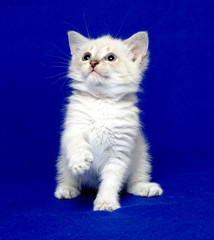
68	186
66	192
139	182
143	189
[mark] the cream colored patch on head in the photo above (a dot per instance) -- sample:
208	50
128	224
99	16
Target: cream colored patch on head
100	47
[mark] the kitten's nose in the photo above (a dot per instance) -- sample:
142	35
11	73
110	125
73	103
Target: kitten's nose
94	63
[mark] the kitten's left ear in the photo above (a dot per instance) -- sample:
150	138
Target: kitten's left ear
76	40
138	44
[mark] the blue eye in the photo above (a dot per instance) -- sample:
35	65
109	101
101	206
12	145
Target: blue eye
111	57
86	56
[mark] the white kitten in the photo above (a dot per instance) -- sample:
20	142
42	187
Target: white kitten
102	145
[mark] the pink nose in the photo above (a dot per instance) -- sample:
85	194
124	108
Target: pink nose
94	63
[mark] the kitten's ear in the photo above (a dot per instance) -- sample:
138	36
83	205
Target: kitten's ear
76	40
138	44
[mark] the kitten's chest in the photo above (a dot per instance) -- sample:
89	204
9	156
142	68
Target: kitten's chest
103	120
110	122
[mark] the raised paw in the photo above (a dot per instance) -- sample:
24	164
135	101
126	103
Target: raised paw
145	189
66	192
106	205
84	163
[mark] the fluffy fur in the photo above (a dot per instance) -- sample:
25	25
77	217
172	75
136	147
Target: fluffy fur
102	145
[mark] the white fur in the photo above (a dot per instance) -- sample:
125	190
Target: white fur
102	145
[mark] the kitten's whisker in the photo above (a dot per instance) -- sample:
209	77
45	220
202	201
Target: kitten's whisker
121	25
58	74
59	50
49	55
45	65
86	26
77	30
59	79
57	66
66	63
106	26
66	80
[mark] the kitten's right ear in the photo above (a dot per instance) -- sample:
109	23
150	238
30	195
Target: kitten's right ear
76	40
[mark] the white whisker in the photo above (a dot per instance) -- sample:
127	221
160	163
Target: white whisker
59	74
59	80
57	57
60	50
121	25
45	65
77	30
86	26
65	63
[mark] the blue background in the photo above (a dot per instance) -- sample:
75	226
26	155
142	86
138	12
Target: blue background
178	116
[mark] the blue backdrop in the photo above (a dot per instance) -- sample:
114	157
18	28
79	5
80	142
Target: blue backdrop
178	116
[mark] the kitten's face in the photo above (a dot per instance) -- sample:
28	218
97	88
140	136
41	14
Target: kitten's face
105	67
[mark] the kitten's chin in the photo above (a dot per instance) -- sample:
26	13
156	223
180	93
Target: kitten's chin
95	78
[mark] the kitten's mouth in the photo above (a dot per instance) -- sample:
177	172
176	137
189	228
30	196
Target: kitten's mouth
94	73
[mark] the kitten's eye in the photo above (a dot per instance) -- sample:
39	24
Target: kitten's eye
111	57
86	56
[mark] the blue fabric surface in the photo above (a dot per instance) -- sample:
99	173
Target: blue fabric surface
185	211
178	116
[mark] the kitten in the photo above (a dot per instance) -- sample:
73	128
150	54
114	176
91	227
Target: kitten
102	145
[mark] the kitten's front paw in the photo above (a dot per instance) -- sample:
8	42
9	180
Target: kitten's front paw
106	205
84	163
66	192
145	189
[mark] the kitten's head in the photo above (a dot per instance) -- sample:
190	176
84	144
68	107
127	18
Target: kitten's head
108	67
